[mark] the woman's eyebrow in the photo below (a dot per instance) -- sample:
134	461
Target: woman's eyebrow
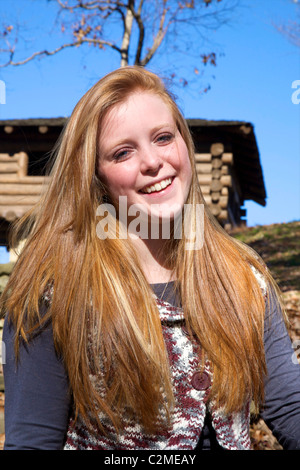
160	126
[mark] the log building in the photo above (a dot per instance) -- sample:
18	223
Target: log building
227	162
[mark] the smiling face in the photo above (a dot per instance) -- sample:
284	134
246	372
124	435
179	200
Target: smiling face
143	156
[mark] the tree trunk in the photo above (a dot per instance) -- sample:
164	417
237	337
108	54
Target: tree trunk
127	34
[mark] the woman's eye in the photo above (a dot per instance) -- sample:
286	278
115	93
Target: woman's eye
165	138
121	154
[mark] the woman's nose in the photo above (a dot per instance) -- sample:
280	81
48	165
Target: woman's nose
151	160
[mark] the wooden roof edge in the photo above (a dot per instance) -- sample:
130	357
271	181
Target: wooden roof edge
58	121
193	122
257	199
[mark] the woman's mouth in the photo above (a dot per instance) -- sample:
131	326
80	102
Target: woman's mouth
157	187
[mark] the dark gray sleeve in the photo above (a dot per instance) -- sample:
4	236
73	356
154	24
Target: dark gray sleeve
36	394
282	385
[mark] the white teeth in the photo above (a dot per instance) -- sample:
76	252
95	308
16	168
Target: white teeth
157	186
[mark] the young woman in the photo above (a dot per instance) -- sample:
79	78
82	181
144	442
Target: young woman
118	337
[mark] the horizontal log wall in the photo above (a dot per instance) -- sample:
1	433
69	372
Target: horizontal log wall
18	192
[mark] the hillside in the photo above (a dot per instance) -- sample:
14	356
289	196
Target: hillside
278	245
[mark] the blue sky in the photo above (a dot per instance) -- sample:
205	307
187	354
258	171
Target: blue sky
253	80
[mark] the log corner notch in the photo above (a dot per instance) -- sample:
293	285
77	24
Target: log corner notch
215	177
228	167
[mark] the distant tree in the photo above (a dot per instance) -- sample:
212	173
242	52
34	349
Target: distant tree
291	29
133	29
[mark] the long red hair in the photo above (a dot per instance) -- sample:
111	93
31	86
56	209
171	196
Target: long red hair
104	316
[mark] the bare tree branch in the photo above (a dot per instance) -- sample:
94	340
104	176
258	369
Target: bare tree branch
58	49
140	28
96	4
291	29
162	30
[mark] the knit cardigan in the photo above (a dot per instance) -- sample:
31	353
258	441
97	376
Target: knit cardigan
191	391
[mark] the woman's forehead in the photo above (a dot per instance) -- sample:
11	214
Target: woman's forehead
135	102
138	109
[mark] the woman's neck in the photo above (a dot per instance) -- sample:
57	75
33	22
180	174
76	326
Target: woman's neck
153	260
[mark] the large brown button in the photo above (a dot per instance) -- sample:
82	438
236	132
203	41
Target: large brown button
201	380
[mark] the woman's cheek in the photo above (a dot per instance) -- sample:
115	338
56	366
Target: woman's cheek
121	182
